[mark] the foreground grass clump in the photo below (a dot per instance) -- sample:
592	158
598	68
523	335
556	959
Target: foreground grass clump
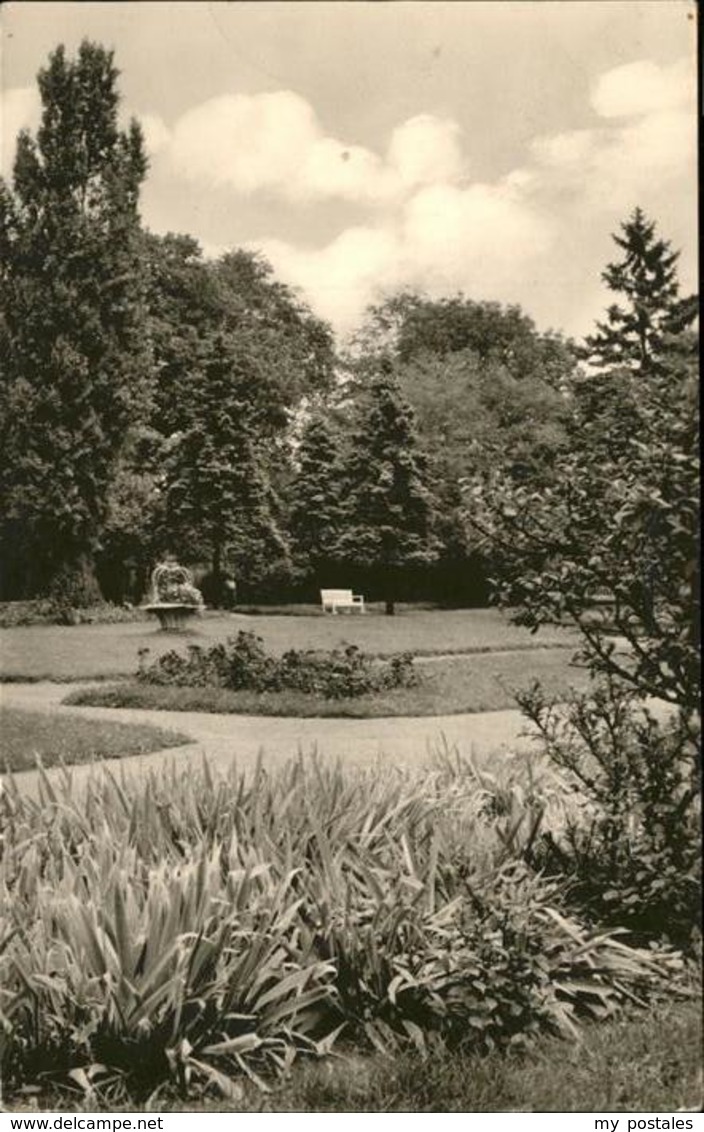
446	686
186	932
29	737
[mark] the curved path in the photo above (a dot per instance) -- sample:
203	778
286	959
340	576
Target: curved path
405	741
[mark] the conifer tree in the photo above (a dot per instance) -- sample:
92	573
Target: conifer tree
72	334
219	503
638	330
388	520
316	494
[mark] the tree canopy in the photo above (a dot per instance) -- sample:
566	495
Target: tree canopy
488	393
408	325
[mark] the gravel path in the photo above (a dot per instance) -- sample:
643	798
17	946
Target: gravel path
403	741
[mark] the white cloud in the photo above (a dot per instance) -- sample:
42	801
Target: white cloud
20	109
512	239
646	145
477	233
445	238
330	169
643	87
618	166
156	133
527	237
246	142
270	142
425	150
340	278
273	142
569	149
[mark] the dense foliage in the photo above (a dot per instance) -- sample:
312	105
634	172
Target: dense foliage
487	392
235	352
154	399
409	325
189	931
317	509
217	496
110	340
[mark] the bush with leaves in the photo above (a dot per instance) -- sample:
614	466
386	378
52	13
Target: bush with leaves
242	662
632	846
44	611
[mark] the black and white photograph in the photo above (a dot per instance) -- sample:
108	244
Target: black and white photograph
350	729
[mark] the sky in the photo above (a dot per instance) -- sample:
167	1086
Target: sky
489	148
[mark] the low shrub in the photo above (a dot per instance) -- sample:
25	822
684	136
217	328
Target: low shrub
242	663
39	612
190	930
632	847
47	611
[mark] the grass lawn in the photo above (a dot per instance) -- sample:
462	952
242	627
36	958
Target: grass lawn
649	1063
80	652
480	682
26	736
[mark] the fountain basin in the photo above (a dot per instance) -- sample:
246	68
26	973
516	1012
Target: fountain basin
173	615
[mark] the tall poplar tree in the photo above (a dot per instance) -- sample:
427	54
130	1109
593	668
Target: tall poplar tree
72	339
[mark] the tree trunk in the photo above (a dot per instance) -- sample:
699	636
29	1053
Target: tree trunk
74	585
216	566
390	580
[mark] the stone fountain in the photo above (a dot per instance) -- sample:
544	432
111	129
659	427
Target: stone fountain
174	599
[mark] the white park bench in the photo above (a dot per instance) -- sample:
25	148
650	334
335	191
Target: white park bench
341	599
